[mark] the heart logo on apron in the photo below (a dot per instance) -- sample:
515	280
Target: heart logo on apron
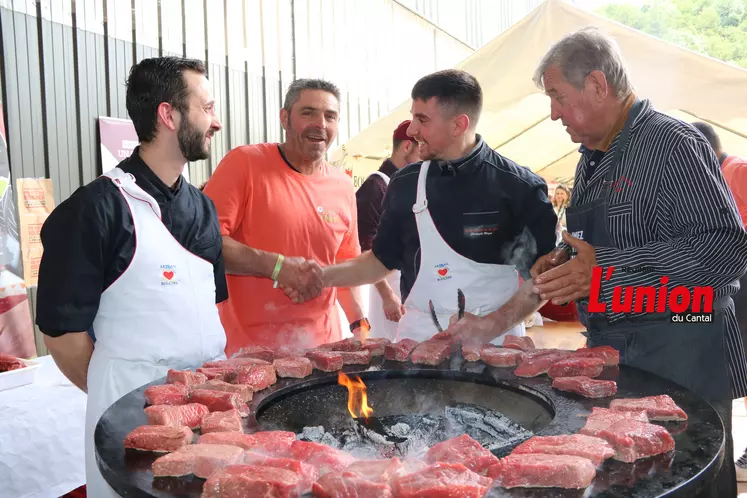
168	274
443	271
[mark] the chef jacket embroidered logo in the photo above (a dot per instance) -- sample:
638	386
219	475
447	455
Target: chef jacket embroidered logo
168	275
442	272
686	306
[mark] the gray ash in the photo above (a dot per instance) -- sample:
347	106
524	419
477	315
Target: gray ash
410	436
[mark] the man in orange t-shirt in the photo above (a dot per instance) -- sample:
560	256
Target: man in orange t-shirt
282	209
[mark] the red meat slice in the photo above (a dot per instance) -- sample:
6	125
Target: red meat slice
375	345
381	471
349	485
241	481
244	391
308	472
573	367
159	438
610	355
259	352
602	418
286	351
593	448
325	458
218	401
660	407
543	471
409	466
189	415
633	439
585	386
271	443
186	377
521	343
326	361
296	367
167	394
9	362
234	363
257	376
464	450
348	345
471	351
238	439
442	480
229	421
538	365
399	351
362	357
224	374
201	460
535	353
499	357
431	352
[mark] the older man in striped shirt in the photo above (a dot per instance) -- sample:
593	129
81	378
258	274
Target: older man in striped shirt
633	210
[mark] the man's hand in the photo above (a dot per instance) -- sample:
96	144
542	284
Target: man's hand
473	329
393	307
571	280
301	280
554	258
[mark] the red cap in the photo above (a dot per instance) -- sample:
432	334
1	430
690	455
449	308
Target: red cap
401	132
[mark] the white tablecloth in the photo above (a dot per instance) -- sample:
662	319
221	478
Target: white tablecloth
41	436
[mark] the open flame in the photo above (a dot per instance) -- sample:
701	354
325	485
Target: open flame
365	330
357	396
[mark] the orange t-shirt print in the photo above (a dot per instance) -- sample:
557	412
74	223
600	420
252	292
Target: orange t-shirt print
263	203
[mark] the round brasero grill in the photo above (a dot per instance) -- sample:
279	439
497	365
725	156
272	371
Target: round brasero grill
411	407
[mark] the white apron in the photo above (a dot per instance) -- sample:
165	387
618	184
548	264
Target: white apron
381	327
442	271
159	314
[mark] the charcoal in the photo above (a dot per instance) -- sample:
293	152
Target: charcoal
311	434
493	430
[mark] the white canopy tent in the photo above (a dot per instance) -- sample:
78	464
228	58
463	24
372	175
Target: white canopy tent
516	115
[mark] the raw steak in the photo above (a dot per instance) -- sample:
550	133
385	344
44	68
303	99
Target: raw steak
273	443
431	352
521	343
442	480
244	391
186	377
296	367
167	394
229	421
362	357
286	351
657	407
593	448
9	362
198	459
176	416
349	485
234	363
242	481
633	439
610	355
601	418
399	351
375	345
499	357
543	471
308	472
585	386
538	365
471	352
224	374
531	354
382	471
239	439
574	367
257	376
325	458
464	450
348	344
326	361
218	401
259	352
161	438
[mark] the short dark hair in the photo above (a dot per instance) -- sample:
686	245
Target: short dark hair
457	91
710	134
152	82
298	86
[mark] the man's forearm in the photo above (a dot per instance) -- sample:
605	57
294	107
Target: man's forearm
241	259
365	269
351	302
523	303
384	289
72	354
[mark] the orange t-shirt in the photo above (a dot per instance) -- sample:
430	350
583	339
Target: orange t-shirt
734	170
263	203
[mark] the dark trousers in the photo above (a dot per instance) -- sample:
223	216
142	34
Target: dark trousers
725	482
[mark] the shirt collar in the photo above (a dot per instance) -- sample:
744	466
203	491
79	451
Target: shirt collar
388	168
607	142
468	163
148	180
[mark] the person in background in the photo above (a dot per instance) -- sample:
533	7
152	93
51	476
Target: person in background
136	254
385	304
560	201
282	208
734	170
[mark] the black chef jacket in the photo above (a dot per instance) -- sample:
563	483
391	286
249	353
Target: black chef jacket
89	240
485	206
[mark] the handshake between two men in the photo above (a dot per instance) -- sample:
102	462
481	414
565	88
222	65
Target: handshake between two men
300	279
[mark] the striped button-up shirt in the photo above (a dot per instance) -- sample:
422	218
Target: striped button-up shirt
671	212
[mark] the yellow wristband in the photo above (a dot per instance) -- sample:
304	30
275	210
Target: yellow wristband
278	266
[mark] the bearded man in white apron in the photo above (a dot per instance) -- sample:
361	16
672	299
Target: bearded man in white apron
137	254
466	218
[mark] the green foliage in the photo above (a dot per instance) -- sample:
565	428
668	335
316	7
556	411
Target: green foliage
717	28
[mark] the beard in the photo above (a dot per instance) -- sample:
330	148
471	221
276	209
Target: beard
192	142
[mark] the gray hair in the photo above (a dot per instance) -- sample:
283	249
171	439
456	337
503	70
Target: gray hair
298	86
578	54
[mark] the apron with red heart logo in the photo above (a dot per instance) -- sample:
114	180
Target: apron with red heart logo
159	314
442	271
